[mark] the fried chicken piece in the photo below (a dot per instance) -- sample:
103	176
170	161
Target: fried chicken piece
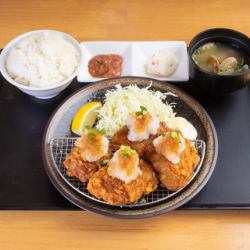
79	168
87	155
175	176
116	192
141	147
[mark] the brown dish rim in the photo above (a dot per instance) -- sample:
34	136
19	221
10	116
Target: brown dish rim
184	196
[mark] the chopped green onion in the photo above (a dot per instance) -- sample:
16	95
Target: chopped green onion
91	136
142	111
238	66
143	201
174	134
102	131
104	161
126	151
99	131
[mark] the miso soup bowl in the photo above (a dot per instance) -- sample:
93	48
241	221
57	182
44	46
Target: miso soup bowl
213	84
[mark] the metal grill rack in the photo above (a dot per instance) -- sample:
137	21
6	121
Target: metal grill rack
59	148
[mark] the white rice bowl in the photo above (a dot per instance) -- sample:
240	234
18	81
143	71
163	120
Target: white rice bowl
42	59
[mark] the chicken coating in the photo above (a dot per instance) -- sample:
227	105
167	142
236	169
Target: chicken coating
141	147
172	176
175	176
77	167
116	192
88	154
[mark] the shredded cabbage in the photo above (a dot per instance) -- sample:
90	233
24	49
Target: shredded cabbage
122	101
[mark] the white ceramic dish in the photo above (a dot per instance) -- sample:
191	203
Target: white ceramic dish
45	92
135	55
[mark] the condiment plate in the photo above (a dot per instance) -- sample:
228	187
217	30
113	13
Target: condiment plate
135	56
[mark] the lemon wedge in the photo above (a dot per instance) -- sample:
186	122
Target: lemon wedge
85	116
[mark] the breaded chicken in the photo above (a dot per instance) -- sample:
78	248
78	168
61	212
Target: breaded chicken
93	145
79	168
175	176
121	138
116	192
88	154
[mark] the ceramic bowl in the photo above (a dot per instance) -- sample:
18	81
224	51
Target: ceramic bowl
213	84
44	92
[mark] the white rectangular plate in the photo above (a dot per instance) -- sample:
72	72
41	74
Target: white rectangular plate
135	55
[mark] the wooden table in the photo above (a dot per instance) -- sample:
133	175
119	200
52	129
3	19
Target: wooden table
124	20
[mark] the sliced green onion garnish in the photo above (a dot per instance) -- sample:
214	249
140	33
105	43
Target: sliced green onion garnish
143	201
102	131
142	111
104	161
91	136
126	151
99	131
174	134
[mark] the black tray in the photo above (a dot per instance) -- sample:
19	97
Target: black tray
25	185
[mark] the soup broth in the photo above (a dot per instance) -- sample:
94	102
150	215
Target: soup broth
220	58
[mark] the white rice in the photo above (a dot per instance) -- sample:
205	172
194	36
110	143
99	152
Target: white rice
42	59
